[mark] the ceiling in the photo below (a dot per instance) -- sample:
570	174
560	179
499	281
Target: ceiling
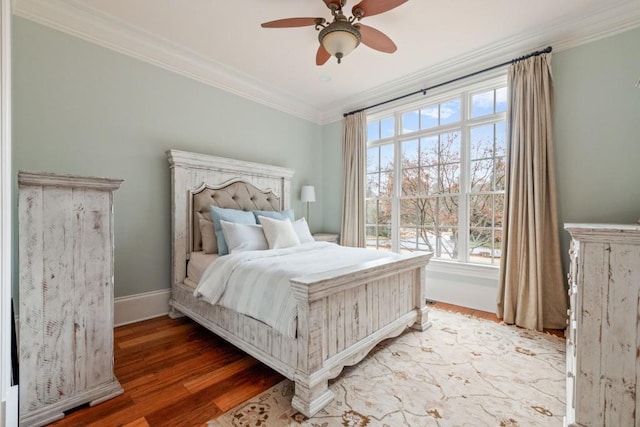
221	42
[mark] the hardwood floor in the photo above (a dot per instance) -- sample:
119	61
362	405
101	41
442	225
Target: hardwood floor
177	373
174	373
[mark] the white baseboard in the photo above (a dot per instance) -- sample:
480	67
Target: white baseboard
465	291
135	308
9	408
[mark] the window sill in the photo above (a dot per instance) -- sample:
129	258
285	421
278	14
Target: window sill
464	269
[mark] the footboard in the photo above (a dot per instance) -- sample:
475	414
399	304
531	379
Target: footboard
343	314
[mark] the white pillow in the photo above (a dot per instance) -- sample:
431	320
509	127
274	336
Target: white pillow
302	230
279	233
243	237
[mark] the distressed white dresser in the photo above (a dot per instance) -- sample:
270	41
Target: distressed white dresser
603	335
65	294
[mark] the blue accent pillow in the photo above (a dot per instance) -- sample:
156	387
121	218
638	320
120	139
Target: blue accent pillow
281	215
231	215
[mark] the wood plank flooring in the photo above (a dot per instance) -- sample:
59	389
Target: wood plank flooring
174	373
177	373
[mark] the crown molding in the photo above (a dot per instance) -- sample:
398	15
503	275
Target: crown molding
601	22
75	18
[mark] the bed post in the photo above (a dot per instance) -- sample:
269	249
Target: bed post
420	297
311	378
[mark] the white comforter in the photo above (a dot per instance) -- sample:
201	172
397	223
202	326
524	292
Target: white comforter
256	283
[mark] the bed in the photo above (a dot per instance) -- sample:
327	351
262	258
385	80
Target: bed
341	314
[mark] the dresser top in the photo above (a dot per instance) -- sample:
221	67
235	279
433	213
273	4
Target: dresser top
61	180
605	232
603	227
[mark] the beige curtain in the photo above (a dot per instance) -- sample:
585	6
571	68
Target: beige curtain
354	151
532	291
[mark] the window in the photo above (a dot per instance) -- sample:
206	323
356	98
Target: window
435	176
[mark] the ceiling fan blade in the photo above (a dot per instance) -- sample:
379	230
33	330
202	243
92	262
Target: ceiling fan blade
322	55
375	7
376	39
291	22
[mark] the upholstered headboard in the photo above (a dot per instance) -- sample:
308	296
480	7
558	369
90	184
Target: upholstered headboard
235	194
200	180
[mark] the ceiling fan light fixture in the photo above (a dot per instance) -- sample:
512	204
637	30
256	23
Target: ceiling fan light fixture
339	39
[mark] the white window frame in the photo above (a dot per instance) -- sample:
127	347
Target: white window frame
462	265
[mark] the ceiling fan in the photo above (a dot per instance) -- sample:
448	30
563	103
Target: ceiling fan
341	36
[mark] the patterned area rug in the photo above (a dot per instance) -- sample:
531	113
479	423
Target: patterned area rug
463	371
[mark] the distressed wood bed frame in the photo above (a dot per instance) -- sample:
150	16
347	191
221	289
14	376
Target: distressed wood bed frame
342	314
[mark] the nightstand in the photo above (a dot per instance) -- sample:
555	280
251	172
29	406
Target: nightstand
326	237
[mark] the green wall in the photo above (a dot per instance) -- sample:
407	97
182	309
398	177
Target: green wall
597	132
332	176
82	109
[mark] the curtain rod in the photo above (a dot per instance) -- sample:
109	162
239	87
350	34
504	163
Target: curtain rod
424	91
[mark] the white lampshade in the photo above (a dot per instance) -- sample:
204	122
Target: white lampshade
342	42
308	193
339	38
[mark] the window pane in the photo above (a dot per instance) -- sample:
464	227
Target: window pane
501	139
499	170
450	178
482	104
386	157
450	147
429	117
411	181
443	241
409	213
481	175
414	239
480	211
497	245
408	239
429	149
371	231
448	211
428	180
384	237
427	239
450	112
373	159
410	153
387	127
498	210
426	210
386	184
410	122
373	184
481	245
373	131
371	212
481	142
501	100
384	212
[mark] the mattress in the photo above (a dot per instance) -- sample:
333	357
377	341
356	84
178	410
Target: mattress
198	263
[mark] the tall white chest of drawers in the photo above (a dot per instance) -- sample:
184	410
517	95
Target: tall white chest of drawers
603	341
65	294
